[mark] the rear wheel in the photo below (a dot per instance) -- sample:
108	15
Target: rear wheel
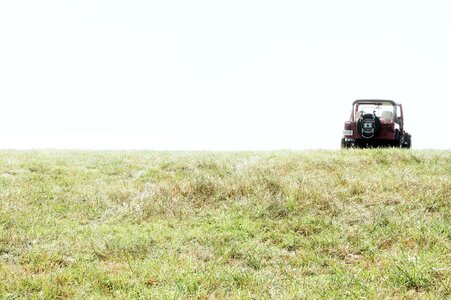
345	144
397	143
407	141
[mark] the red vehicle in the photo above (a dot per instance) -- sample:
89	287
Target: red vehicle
375	123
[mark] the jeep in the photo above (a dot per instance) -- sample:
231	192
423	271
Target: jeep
375	123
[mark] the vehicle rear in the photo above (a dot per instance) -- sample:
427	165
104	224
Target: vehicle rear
374	123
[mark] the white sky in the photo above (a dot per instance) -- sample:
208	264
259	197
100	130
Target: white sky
218	75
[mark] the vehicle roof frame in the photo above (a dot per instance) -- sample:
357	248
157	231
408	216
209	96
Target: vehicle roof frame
373	101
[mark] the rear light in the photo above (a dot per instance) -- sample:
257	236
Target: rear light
348	125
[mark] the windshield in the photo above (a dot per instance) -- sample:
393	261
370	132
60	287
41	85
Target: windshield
384	111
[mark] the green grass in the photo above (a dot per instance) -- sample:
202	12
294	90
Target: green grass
268	225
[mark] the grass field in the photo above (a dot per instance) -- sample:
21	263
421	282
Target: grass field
265	225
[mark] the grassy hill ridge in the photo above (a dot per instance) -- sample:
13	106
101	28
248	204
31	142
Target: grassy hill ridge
277	225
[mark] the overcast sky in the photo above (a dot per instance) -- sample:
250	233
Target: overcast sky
218	75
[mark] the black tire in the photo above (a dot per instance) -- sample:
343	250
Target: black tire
397	143
345	145
366	118
407	142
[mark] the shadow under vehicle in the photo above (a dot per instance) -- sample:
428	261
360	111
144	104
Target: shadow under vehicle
375	123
